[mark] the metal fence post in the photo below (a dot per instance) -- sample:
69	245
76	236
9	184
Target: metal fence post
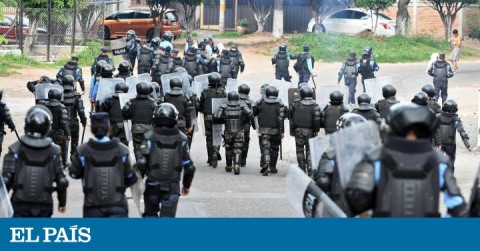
74	25
49	28
20	17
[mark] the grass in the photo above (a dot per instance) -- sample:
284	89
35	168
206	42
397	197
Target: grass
86	57
335	48
229	34
10	62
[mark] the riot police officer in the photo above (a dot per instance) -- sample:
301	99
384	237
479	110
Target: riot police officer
305	118
367	65
349	72
140	111
177	61
162	66
167	41
383	106
403	177
238	65
103	56
145	58
271	114
106	72
304	65
420	99
432	104
190	62
31	167
105	170
74	104
281	60
5	118
155	44
60	131
182	103
165	154
214	90
441	71
332	112
235	115
225	67
132	51
244	91
364	109
326	174
124	70
111	105
71	68
450	123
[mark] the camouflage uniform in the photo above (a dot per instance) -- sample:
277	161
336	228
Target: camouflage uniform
74	105
246	135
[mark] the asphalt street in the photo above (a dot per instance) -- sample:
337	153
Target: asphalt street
215	193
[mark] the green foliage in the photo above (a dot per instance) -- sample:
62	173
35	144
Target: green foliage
397	49
10	62
243	23
228	34
374	5
85	57
2	39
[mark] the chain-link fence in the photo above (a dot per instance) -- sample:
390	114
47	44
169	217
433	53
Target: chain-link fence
52	33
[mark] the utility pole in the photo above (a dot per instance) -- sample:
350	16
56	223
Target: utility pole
221	23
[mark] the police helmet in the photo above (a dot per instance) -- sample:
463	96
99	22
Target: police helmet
165	115
271	92
336	97
143	88
450	106
38	122
349	119
429	90
389	91
54	94
406	117
364	99
244	89
306	92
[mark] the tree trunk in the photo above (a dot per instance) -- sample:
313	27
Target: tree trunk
278	19
260	23
403	18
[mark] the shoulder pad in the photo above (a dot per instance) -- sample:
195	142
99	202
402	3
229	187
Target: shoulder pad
149	135
62	105
123	149
182	136
56	149
280	103
441	157
223	106
15	147
374	154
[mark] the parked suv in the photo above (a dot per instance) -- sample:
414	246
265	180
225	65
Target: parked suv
140	20
354	21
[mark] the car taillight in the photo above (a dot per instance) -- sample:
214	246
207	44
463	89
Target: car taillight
385	26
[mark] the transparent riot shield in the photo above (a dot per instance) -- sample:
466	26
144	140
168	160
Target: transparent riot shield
145	77
351	145
283	87
41	90
233	84
323	94
203	79
155	94
217	129
6	210
411	86
182	75
132	84
106	88
307	198
318	146
374	87
127	124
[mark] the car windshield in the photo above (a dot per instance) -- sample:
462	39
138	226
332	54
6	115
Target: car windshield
5	22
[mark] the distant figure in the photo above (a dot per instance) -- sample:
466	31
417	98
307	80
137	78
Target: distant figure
456	41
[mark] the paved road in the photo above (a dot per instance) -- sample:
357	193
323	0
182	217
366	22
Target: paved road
219	194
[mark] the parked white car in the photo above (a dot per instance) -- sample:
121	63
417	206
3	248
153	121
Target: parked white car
354	21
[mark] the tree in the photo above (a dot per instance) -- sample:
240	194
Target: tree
86	11
158	8
448	10
321	8
2	39
403	18
278	19
374	6
189	8
261	11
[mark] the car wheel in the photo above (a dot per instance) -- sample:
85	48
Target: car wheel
106	32
150	34
318	28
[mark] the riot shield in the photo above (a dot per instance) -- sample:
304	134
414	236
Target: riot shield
119	46
373	87
283	87
155	94
41	90
318	146
145	77
411	86
6	210
203	80
106	88
217	129
127	124
323	94
132	84
220	47
307	198
351	145
232	85
182	75
293	95
138	188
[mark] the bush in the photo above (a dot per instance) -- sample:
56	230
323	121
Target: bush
475	33
397	49
228	34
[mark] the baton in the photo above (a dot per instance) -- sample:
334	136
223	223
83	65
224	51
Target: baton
281	150
16	133
83	134
191	135
313	79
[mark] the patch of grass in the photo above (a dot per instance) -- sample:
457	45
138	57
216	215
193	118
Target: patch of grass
86	57
229	34
10	62
397	49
